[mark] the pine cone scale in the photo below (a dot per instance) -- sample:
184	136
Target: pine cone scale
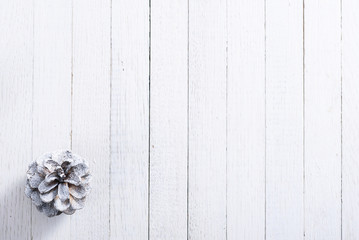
32	169
61	205
78	191
28	189
63	192
47	186
51	177
35	196
42	170
77	203
35	180
49	196
73	179
69	211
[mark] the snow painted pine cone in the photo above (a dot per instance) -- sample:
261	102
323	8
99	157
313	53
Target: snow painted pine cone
58	182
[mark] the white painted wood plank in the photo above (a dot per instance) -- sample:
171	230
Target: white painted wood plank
207	120
284	120
168	158
246	120
322	119
129	120
16	68
350	71
91	112
52	97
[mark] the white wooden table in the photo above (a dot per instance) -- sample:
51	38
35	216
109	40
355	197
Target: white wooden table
201	119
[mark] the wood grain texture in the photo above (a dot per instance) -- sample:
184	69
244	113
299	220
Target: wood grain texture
284	120
91	112
168	143
322	119
200	119
350	118
207	120
16	67
129	120
52	97
246	120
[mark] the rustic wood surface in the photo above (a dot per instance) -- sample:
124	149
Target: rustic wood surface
284	120
216	119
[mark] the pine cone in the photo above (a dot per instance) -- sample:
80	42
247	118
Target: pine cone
58	182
